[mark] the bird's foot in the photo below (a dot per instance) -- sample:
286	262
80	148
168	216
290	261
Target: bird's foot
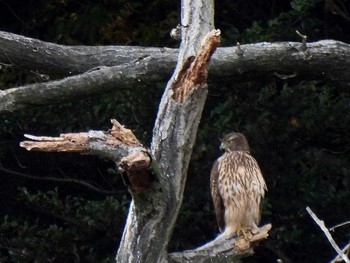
247	232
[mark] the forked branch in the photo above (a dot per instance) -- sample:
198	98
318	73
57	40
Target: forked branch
325	230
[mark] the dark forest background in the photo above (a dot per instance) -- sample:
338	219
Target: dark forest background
72	208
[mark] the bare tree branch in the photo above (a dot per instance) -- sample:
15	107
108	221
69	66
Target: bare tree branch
112	145
119	145
345	250
62	61
222	250
325	230
98	81
326	59
339	225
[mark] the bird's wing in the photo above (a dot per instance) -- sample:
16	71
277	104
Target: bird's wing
217	199
257	181
257	185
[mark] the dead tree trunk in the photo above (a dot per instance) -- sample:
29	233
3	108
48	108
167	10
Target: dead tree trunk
157	178
152	216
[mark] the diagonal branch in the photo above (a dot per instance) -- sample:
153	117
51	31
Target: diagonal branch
325	230
98	81
222	250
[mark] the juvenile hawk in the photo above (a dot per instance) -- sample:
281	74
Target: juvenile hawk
237	187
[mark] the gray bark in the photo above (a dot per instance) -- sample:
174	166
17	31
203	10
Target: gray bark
100	80
152	217
63	61
152	214
325	60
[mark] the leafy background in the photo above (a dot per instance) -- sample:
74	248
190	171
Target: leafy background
298	131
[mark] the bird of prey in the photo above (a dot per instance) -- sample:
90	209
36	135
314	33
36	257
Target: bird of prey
237	187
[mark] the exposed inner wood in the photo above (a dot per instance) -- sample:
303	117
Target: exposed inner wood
80	142
126	136
243	244
68	142
194	72
136	167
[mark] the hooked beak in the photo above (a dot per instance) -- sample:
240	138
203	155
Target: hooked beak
222	147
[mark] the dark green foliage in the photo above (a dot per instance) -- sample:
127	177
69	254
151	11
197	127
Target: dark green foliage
79	230
298	132
299	135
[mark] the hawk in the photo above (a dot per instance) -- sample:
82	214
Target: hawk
237	187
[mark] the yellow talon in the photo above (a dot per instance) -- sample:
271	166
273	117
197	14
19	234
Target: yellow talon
241	231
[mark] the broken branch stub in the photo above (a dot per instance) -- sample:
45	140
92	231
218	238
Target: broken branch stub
136	167
124	135
81	142
194	72
68	142
120	143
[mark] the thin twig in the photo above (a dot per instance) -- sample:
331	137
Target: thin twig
321	224
345	251
339	225
62	180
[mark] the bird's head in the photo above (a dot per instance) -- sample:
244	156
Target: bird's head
234	141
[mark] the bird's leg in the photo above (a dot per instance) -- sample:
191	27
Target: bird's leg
246	232
240	230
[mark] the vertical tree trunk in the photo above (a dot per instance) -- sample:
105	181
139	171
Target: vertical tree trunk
152	215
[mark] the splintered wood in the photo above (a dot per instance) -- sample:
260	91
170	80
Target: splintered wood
194	72
68	142
136	166
80	142
126	136
243	243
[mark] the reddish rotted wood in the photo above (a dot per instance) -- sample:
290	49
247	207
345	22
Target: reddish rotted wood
136	167
194	72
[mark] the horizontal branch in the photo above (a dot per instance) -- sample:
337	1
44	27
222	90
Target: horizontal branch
327	59
113	145
222	250
119	145
100	80
105	69
62	61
